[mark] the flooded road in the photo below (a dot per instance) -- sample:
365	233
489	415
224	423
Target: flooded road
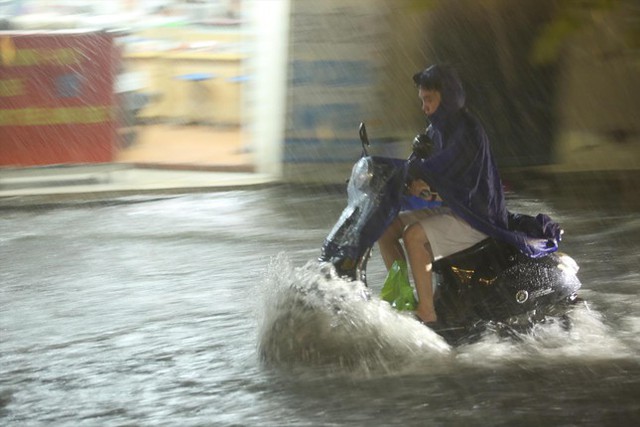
159	312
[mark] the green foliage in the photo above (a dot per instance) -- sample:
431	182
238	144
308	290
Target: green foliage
546	47
569	17
422	5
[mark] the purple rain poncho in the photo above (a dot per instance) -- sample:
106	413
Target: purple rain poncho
464	173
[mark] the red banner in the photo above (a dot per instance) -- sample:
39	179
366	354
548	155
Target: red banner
56	98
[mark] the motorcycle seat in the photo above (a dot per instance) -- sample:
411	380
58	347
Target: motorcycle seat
488	251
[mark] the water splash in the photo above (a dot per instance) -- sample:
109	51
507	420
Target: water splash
584	337
312	317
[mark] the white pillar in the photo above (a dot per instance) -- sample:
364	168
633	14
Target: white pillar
269	22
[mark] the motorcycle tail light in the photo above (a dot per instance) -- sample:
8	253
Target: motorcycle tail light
567	263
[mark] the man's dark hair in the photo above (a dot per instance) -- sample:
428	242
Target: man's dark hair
429	79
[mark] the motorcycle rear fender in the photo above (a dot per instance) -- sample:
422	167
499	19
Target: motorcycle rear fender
492	280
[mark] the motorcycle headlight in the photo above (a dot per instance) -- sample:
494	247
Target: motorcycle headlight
362	173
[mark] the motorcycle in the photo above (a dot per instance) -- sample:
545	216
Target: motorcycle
491	285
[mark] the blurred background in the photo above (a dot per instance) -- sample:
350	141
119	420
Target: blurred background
280	86
118	307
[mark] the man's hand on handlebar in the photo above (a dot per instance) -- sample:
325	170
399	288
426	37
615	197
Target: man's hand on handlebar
422	146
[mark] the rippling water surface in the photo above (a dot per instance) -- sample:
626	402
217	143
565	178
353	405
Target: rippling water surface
180	311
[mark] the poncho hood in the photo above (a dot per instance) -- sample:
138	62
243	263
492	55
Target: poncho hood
452	93
463	171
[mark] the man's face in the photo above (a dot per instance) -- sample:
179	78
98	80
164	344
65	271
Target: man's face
430	100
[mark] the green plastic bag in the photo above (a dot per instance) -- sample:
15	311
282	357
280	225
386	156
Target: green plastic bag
397	289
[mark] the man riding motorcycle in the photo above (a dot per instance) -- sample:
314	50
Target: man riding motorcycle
462	168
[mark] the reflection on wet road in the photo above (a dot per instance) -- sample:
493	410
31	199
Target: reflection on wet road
153	311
